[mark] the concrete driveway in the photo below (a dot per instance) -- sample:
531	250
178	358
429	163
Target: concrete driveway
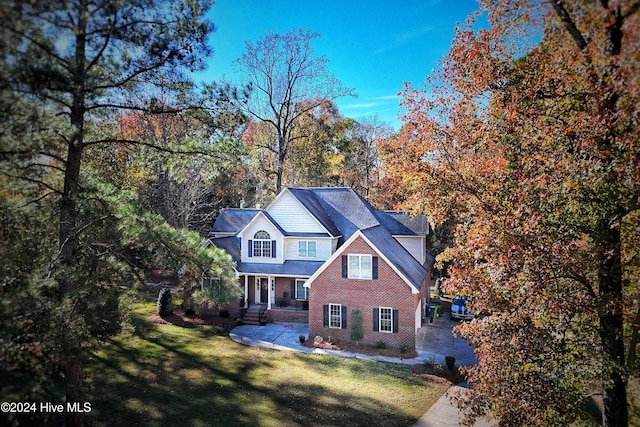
436	340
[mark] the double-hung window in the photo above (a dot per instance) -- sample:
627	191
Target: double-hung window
307	249
335	316
386	319
359	267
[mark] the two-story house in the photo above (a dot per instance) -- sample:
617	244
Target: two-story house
328	251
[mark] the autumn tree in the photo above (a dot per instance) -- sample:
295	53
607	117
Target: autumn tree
360	169
68	69
184	191
286	82
527	135
313	149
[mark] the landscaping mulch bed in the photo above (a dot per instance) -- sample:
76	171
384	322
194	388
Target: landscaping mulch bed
438	373
362	349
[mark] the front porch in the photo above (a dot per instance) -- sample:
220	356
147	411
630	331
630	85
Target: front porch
276	292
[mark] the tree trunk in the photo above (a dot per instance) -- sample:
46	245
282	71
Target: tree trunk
71	360
611	333
68	239
281	155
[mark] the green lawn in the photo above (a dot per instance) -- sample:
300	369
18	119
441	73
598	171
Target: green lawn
168	375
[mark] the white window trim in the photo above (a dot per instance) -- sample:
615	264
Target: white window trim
306	248
333	316
305	290
351	274
390	331
261	246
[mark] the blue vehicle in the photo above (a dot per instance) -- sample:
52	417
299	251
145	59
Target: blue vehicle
461	308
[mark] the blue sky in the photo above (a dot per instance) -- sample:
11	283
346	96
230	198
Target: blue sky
374	46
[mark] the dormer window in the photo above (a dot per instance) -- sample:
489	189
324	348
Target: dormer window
262	245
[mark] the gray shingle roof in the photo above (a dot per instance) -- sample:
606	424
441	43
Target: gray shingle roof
233	220
230	244
288	268
399	223
347	209
342	212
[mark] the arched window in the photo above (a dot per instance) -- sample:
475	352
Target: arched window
262	245
261	235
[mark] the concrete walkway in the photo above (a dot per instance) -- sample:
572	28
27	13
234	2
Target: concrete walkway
443	413
434	342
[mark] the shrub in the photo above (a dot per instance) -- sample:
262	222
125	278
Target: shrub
356	325
450	361
381	344
404	348
165	303
225	314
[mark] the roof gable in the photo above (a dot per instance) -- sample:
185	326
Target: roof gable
262	214
392	252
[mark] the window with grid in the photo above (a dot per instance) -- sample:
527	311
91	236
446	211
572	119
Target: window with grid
359	267
386	319
262	244
307	249
335	316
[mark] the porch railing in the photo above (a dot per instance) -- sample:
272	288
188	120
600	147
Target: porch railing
261	317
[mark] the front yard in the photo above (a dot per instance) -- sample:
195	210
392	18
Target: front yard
170	375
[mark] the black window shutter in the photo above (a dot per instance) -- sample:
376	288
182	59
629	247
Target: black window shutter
250	253
345	266
273	249
325	316
376	319
344	317
374	267
293	289
395	321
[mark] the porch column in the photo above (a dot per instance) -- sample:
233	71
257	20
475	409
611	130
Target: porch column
269	293
246	290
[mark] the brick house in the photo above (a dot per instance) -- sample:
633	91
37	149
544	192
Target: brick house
315	254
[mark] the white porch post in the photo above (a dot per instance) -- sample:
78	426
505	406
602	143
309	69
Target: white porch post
269	293
246	290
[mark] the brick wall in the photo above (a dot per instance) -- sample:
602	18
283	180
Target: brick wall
389	290
297	316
